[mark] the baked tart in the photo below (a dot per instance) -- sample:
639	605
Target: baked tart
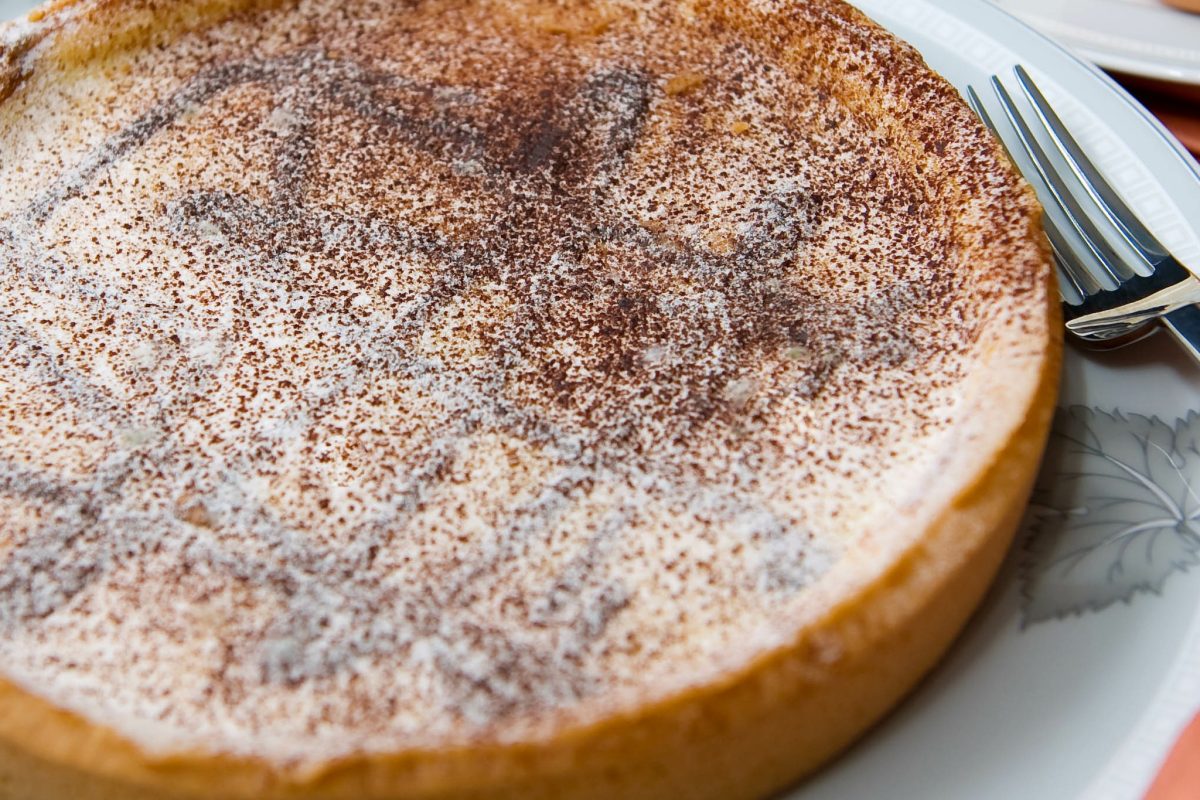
492	398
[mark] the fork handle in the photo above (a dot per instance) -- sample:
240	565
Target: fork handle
1184	325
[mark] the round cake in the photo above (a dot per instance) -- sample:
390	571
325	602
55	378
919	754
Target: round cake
492	398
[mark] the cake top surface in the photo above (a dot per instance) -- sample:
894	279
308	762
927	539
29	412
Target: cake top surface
382	375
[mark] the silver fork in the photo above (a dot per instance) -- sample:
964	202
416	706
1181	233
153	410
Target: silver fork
1118	305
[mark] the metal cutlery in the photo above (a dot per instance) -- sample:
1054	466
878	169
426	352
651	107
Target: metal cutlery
1098	241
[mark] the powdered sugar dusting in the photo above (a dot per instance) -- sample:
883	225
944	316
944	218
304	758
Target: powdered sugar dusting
385	374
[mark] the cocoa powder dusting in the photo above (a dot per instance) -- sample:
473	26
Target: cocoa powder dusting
379	374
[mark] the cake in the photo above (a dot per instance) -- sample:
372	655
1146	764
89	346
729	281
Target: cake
493	398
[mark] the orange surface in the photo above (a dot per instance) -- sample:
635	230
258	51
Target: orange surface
1186	5
1180	775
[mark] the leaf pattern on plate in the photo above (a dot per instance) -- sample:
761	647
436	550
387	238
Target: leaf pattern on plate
1116	511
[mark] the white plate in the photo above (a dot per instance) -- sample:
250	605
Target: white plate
1069	683
1072	682
1138	37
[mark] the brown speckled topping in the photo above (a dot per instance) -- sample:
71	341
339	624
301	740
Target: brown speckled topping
378	374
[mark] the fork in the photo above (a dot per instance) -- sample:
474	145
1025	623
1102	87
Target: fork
1118	306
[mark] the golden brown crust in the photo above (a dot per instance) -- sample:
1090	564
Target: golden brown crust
743	736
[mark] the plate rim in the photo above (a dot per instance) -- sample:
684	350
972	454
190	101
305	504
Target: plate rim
1118	59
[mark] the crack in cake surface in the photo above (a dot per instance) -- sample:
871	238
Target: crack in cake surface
417	397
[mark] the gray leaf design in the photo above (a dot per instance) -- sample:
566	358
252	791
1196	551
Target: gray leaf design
1116	511
1187	441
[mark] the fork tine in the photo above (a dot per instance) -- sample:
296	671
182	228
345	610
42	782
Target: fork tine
1101	191
1087	258
1080	279
1165	270
1092	237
